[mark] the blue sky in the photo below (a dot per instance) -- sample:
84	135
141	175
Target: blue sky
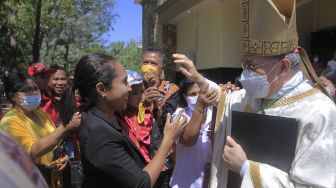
129	23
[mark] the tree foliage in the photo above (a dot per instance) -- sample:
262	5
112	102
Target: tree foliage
67	30
129	54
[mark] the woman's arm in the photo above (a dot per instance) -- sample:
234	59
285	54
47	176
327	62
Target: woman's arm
189	70
171	132
190	135
48	143
106	151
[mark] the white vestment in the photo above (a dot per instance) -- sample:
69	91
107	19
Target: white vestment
314	164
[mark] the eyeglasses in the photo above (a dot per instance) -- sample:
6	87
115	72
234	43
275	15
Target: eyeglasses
251	67
29	90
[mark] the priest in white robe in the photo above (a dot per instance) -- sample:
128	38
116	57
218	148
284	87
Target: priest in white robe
278	80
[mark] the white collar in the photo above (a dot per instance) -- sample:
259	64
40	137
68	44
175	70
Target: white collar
294	81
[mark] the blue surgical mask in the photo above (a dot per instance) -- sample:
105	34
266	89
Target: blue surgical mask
191	101
30	102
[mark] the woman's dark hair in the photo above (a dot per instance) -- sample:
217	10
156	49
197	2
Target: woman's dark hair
13	82
330	74
90	70
68	105
184	86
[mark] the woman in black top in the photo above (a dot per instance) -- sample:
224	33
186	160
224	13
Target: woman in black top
109	157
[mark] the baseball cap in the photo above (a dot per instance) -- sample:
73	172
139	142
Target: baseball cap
38	68
134	77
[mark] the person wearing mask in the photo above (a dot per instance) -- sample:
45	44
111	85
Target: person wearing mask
274	84
162	97
193	148
138	120
161	94
33	129
108	155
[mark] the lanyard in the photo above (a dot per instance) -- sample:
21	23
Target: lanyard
262	111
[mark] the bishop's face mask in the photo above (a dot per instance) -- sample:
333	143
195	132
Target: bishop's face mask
255	84
30	102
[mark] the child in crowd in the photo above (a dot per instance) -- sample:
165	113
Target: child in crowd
138	120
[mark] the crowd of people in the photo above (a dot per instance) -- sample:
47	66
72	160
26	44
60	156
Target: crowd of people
112	127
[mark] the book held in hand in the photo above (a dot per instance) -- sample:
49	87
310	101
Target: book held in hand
265	139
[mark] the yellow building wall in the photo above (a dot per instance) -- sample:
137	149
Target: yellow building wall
186	36
212	36
231	34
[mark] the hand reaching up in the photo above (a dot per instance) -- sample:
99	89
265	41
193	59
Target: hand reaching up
187	67
206	99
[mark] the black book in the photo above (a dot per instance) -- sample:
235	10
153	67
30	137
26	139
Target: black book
266	139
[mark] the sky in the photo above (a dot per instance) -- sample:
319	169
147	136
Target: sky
129	23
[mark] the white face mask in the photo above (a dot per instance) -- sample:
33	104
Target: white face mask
191	101
256	85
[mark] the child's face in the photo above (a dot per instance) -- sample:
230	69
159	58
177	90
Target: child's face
135	96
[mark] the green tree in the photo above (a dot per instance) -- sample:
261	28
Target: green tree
15	34
129	54
55	31
79	31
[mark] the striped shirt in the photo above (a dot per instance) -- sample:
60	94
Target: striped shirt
26	132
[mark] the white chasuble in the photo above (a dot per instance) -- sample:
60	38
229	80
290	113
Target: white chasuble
314	163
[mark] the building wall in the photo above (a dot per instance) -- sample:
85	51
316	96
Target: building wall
209	31
326	14
211	36
314	16
186	32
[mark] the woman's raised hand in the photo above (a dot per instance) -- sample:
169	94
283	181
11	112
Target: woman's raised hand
187	67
